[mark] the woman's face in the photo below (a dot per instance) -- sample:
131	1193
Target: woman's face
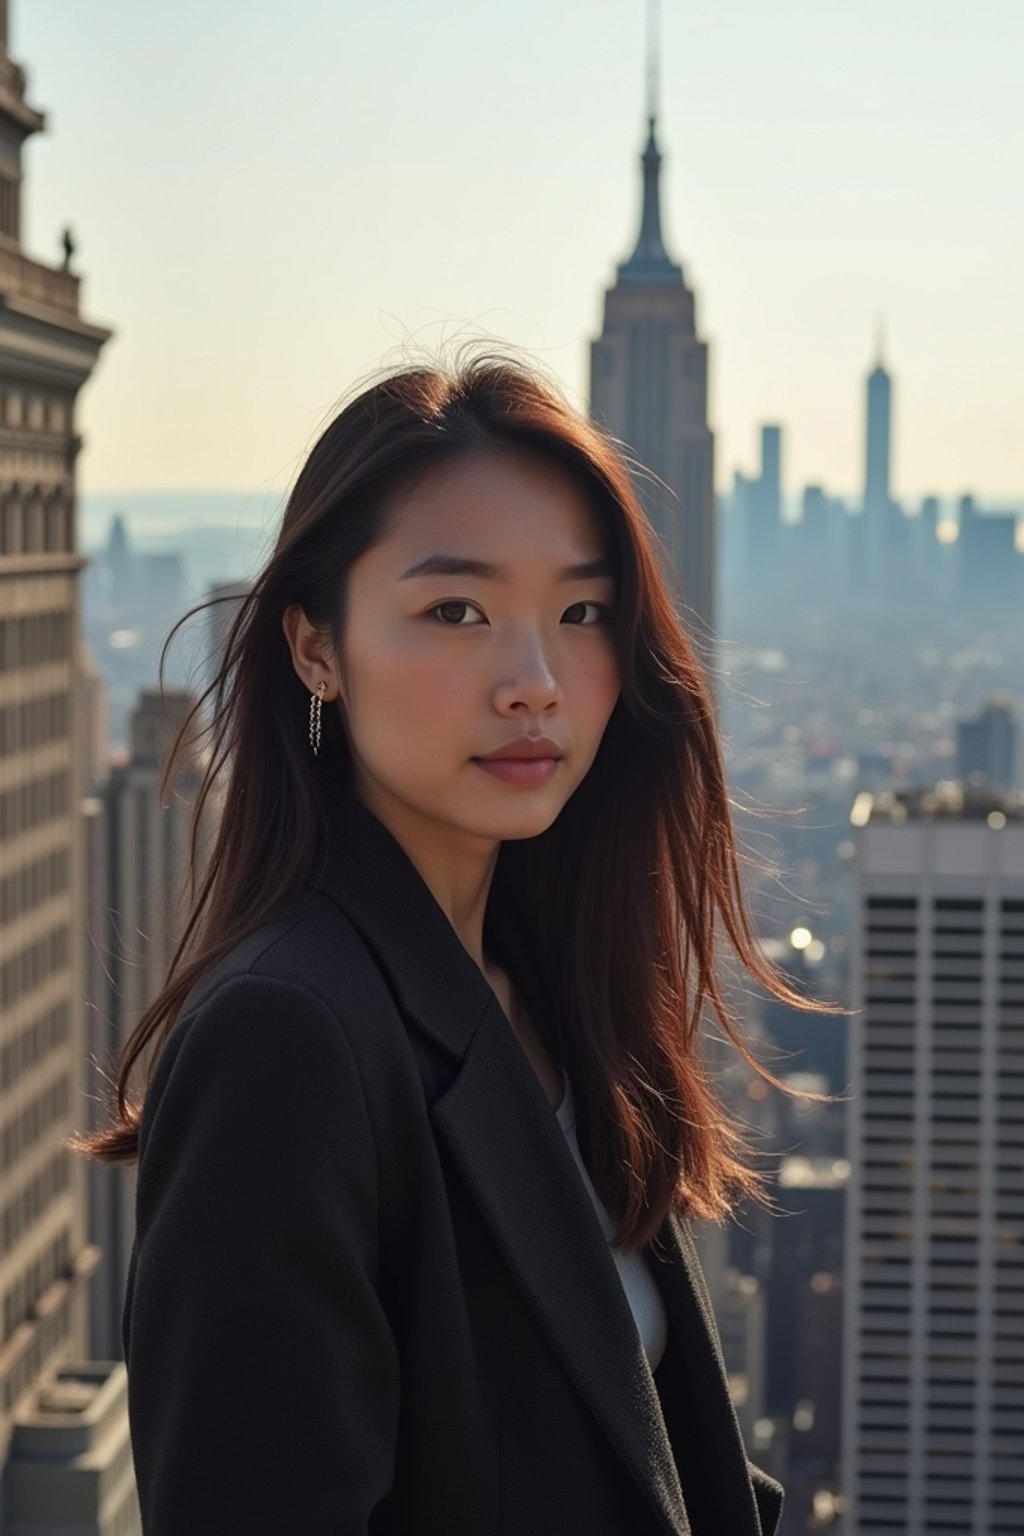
436	668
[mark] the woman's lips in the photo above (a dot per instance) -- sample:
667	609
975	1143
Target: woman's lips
519	770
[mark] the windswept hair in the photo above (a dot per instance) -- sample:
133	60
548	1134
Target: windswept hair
607	920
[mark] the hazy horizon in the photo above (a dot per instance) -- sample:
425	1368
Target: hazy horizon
269	203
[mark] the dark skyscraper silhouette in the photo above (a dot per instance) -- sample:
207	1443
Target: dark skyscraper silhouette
877	469
648	386
986	747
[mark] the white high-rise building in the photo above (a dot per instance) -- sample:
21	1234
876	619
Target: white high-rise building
933	1381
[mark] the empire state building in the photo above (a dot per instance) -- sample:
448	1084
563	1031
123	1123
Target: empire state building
648	388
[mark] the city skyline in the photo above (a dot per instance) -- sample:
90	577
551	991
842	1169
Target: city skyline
257	229
867	678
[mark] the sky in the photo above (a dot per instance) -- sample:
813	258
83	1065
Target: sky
272	201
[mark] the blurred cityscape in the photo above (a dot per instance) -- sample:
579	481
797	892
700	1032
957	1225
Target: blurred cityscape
867	656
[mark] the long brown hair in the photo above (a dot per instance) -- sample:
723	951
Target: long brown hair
615	905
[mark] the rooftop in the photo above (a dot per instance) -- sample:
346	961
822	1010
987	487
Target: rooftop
948	800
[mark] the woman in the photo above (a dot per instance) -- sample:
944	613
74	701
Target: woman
425	1117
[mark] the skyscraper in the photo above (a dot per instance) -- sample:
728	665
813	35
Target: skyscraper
47	352
764	510
139	859
933	1379
877	509
986	747
649	387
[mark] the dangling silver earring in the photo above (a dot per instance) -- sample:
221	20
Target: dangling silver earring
315	707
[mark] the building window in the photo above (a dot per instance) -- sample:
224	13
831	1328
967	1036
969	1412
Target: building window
56	539
8	204
10	525
33	528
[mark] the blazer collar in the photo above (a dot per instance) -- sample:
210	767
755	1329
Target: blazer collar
369	874
503	1135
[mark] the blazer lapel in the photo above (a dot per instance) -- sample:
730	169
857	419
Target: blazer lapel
694	1389
504	1137
512	1152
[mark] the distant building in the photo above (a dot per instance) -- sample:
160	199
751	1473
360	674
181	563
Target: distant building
820	544
761	513
132	600
930	517
806	1266
986	747
649	388
95	710
933	1407
219	619
990	566
138	861
878	442
70	1461
771	474
738	1303
47	353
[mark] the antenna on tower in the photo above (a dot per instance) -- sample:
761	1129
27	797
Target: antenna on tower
652	59
880	338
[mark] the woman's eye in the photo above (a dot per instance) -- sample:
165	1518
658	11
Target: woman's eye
602	611
462	606
453	603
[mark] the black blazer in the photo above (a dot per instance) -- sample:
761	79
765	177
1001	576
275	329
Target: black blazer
351	1315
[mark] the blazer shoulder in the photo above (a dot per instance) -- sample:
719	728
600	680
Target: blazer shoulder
312	944
301	970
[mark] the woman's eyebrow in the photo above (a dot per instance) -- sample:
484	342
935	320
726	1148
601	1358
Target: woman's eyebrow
458	565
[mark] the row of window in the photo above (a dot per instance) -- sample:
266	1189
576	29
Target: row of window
939	1457
37	412
33	1043
966	1384
948	1527
999	1398
969	1238
940	1463
34	1119
941	904
28	968
897	1352
944	1500
37	526
28	805
28	1368
30	639
902	965
1009	1125
9	205
34	1279
894	1065
33	722
33	883
24	1209
966	1011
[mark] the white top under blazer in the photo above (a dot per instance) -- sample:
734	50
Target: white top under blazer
641	1291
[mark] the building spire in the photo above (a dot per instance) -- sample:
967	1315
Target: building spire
650	258
652	60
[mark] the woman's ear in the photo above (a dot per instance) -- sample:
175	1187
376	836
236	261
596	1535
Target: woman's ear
306	646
